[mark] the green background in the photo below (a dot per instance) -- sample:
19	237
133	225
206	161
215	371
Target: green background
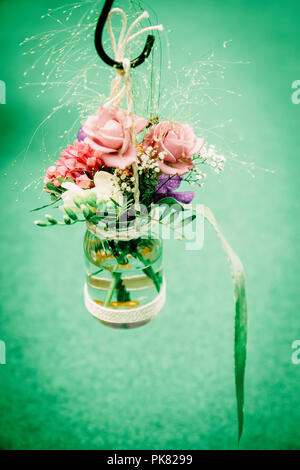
71	383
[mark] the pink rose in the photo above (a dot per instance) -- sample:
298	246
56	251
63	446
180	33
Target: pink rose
109	132
177	143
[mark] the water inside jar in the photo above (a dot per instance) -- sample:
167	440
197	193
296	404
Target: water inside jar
123	274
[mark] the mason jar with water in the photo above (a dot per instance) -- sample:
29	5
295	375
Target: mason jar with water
124	276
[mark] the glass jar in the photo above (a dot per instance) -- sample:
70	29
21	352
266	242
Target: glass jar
124	279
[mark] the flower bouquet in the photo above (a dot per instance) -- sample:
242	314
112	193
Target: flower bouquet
121	177
116	185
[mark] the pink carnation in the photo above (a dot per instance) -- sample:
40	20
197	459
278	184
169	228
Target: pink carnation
110	132
177	143
52	175
79	162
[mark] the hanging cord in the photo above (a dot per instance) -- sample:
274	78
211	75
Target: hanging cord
117	93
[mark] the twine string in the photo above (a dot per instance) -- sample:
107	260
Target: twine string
117	93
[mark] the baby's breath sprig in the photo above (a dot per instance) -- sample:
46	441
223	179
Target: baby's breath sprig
196	176
125	180
148	159
148	172
207	156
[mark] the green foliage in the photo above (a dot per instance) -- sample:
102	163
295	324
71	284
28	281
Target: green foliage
91	199
62	180
67	221
122	293
147	184
87	213
78	200
173	218
53	189
39	223
115	203
70	213
186	221
46	205
51	219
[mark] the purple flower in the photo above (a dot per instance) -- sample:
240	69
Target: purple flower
81	135
166	186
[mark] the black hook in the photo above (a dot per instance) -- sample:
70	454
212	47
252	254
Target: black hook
99	47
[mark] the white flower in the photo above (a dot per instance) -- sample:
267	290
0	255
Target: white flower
107	187
68	196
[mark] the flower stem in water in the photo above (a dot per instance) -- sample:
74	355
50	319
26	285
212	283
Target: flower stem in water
115	280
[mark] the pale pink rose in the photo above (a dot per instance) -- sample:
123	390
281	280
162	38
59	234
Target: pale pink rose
109	132
177	143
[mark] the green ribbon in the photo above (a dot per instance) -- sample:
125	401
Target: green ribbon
240	333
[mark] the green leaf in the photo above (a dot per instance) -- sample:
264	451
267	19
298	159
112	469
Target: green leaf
148	270
186	221
62	180
122	293
39	223
95	219
241	316
111	289
67	221
172	218
46	205
115	202
86	212
53	188
51	219
170	203
240	346
165	212
91	199
70	213
77	199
